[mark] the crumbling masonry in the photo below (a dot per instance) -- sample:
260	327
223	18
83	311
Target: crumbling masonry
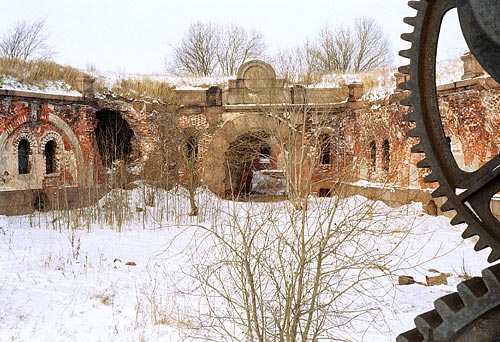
55	148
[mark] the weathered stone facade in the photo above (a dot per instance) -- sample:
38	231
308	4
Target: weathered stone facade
49	142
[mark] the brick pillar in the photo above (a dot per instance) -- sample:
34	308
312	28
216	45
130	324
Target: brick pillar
85	85
472	68
356	90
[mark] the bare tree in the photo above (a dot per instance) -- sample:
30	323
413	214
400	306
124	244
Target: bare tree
210	48
197	54
373	47
299	64
237	46
346	49
26	40
189	150
175	160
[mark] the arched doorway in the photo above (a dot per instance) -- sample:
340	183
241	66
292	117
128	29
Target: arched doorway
216	175
249	153
114	137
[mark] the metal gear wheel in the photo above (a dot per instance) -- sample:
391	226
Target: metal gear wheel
472	314
468	193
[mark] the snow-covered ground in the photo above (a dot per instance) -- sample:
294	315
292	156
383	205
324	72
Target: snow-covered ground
111	272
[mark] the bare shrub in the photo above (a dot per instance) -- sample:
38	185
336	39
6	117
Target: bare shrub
176	159
269	272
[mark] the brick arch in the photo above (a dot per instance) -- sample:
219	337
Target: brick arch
48	136
61	125
144	133
214	168
27	134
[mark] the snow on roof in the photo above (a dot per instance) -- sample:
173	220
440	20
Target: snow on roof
378	84
52	88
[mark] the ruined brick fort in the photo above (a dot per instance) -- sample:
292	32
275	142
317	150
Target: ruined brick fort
51	145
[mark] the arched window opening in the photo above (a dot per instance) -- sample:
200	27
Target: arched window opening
50	157
23	157
386	148
192	148
325	148
373	154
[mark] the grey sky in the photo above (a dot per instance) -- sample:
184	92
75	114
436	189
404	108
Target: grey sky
136	35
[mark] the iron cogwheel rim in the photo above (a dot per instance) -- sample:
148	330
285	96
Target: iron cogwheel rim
464	195
457	316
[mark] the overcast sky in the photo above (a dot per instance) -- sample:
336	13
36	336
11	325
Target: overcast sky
135	36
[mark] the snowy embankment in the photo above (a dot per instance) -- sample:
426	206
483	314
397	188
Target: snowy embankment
120	270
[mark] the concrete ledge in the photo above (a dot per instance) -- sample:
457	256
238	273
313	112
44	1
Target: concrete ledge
391	196
23	202
37	95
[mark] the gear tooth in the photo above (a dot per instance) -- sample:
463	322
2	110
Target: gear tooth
405	53
471	289
410	336
414	4
430	178
404	69
406	101
423	163
417	148
413	133
491	276
408	36
494	255
468	233
457	220
439	192
406	85
412	21
448	305
410	117
480	244
447	206
428	321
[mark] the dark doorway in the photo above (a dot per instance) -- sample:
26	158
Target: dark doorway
23	157
114	137
249	153
325	192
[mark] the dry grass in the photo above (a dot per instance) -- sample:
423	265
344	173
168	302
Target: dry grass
145	89
38	72
41	73
378	82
